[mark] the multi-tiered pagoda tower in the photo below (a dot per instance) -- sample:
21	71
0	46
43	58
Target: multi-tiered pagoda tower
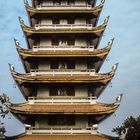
62	84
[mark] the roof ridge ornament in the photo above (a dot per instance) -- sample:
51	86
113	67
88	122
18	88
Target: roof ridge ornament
26	2
106	20
118	99
111	42
12	68
114	68
21	20
102	1
16	42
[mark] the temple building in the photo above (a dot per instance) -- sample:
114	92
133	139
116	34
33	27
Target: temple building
62	80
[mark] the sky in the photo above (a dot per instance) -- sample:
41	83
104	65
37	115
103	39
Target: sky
124	26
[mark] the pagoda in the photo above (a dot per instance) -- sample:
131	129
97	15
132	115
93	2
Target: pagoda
62	82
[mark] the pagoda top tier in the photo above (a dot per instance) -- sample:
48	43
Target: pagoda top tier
62	2
52	7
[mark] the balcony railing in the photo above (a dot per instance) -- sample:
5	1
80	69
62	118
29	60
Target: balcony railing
36	100
62	72
63	48
63	26
88	130
65	6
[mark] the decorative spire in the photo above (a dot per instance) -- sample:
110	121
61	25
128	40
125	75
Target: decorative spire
106	20
16	42
21	21
26	2
102	1
12	69
118	99
111	42
114	68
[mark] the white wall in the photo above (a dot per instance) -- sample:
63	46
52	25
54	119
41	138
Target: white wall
80	121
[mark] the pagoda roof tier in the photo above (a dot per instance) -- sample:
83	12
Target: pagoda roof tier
62	137
47	9
63	76
63	29
31	40
33	33
30	63
76	52
66	51
83	109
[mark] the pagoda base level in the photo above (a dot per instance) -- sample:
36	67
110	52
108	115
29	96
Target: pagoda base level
62	137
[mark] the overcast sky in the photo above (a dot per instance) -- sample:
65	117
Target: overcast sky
124	25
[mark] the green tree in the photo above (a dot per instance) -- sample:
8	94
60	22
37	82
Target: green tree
130	129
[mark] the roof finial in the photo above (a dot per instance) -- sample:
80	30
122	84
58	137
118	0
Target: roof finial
12	69
21	20
106	20
118	99
114	68
26	2
16	42
111	42
102	1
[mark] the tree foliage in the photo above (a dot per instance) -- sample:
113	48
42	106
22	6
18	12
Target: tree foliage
133	126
